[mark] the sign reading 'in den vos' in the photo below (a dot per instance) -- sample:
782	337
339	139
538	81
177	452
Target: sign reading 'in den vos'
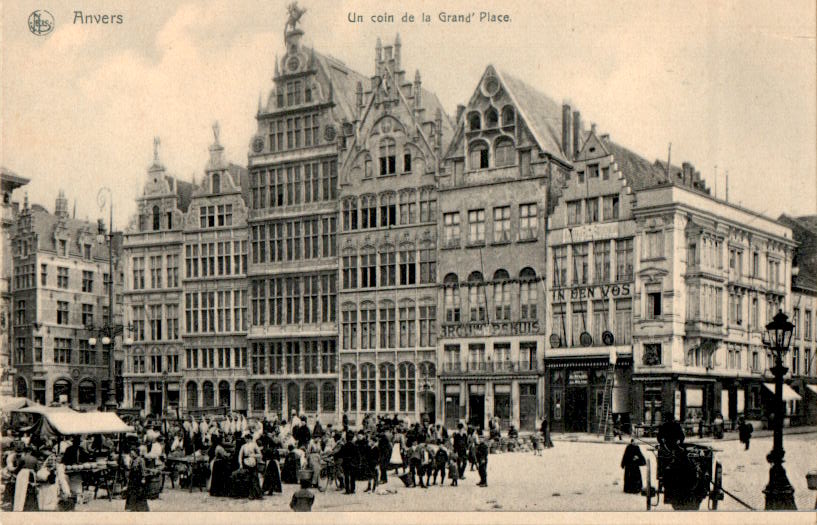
490	329
600	291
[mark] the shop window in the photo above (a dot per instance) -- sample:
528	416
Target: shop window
653	403
311	397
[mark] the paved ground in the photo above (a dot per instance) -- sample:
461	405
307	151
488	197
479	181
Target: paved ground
573	476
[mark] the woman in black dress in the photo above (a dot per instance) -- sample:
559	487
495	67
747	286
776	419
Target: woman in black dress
137	491
220	473
631	462
272	472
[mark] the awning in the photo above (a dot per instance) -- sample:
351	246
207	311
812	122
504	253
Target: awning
788	392
9	404
68	422
813	388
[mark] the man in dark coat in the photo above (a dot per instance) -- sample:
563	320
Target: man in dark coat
461	448
745	432
351	460
384	447
670	434
482	461
631	462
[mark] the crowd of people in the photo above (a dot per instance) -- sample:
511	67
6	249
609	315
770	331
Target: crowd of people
239	457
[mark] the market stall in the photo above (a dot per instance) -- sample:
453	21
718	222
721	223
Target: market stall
57	422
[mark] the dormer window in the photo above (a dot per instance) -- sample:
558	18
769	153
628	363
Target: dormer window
504	152
156	221
216	183
474	122
388	163
508	115
478	155
491	118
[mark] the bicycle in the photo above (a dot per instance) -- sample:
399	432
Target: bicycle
330	471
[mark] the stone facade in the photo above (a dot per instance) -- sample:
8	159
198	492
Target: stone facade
60	304
387	244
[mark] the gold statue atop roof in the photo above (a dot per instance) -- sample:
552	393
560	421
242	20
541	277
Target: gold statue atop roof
295	13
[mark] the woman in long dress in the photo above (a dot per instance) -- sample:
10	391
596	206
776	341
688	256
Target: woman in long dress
249	456
272	472
137	500
220	470
631	462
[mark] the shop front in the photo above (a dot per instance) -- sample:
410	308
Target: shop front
511	400
576	392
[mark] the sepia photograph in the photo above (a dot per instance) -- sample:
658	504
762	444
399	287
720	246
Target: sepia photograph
380	260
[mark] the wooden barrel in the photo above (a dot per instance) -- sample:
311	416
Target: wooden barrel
153	486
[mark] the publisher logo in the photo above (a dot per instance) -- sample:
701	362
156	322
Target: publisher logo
41	22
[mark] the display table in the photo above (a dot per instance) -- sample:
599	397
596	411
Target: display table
194	468
97	474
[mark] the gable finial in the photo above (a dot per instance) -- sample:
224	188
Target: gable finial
216	131
156	142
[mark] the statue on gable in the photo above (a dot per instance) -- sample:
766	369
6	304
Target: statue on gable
294	15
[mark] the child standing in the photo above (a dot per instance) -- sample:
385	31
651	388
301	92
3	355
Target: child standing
453	468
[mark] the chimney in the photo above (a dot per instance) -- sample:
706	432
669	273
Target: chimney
686	169
577	130
566	147
593	128
61	206
460	111
100	226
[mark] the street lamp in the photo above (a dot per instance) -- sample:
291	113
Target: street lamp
779	492
110	329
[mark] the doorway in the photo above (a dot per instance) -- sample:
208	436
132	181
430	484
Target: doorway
452	408
527	406
476	409
576	410
293	399
155	402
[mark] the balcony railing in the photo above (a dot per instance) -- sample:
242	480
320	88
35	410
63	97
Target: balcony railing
491	367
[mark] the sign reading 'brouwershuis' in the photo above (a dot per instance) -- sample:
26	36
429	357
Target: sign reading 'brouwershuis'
601	291
499	328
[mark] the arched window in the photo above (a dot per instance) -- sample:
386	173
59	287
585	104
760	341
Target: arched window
388	328
428	373
310	397
408	324
156	218
276	398
350	214
87	392
240	395
388	209
408	265
192	395
474	121
216	183
293	399
209	394
388	265
491	118
367	387
368	211
368	325
406	387
508	115
502	295
478	155
349	388
259	399
224	394
452	298
62	387
408	206
528	294
349	322
387	387
476	297
367	167
328	396
388	154
504	153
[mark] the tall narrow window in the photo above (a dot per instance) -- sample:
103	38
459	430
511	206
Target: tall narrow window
388	163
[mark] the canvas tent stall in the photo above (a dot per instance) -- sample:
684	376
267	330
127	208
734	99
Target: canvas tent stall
54	421
9	404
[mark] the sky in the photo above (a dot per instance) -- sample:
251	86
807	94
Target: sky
729	83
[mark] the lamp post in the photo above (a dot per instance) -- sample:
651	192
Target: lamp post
779	492
110	330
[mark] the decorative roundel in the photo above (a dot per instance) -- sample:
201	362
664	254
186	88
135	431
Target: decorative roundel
490	86
586	339
607	337
293	63
75	373
258	144
555	341
329	133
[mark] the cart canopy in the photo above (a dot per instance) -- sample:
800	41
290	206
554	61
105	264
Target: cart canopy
66	421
